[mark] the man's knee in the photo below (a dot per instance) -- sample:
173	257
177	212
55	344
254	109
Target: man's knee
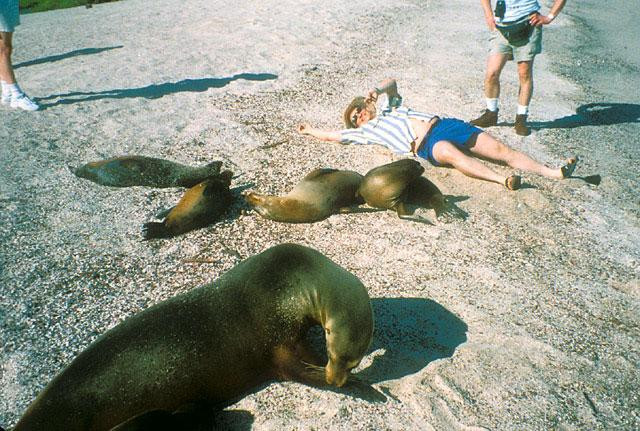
525	71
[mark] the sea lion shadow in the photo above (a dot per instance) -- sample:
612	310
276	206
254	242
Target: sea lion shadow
199	418
410	333
153	91
233	420
239	204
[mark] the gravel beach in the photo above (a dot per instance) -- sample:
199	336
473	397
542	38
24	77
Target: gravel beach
524	316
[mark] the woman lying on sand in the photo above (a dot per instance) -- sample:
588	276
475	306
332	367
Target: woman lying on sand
446	141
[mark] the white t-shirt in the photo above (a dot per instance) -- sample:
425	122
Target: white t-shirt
517	9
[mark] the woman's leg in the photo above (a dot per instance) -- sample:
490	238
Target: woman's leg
489	147
446	153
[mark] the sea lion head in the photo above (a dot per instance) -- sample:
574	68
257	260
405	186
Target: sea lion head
348	336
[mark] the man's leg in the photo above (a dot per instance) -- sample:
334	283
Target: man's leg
6	47
495	64
446	153
489	147
11	92
525	75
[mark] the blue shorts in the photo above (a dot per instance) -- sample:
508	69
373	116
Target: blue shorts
456	131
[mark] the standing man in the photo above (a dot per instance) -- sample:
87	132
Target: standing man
11	93
516	34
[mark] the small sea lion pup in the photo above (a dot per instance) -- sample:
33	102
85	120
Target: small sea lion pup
130	171
212	344
401	187
320	194
200	206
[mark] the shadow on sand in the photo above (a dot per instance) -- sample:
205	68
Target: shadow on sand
412	332
154	91
594	114
70	54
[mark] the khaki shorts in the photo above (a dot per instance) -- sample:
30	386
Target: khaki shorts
499	45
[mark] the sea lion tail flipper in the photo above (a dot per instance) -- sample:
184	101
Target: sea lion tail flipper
215	166
155	230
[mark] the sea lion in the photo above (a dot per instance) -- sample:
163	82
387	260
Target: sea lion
320	194
200	206
214	343
400	186
130	171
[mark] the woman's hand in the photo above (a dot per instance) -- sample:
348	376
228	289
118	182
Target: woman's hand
372	96
304	129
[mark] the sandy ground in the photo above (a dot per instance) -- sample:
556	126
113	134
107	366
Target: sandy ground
525	316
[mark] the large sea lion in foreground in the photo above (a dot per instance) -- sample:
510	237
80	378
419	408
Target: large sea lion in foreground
200	206
400	186
320	194
214	343
130	171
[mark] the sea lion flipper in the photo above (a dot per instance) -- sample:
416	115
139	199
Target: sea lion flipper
154	230
215	166
165	212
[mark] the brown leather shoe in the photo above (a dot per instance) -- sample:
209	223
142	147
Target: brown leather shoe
521	125
487	119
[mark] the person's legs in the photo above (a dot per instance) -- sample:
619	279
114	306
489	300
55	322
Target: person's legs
6	69
446	153
525	75
495	64
489	147
11	92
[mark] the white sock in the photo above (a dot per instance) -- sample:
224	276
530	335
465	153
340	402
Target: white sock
522	109
492	104
14	89
3	84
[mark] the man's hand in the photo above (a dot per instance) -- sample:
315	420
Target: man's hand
538	20
491	22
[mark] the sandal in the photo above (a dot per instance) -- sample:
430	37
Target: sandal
567	170
513	182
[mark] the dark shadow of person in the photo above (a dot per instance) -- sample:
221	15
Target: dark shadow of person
593	114
154	91
70	54
412	332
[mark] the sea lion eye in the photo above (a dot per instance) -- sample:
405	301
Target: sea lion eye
328	331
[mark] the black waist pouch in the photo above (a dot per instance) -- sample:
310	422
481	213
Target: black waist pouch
516	32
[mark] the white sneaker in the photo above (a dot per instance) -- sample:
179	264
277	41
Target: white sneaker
23	102
6	98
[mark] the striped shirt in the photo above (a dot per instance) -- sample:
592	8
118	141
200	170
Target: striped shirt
391	129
